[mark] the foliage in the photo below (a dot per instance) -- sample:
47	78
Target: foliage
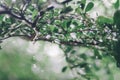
68	26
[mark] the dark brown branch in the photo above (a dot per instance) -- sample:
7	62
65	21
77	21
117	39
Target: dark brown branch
24	18
10	13
66	1
4	12
74	42
71	43
19	17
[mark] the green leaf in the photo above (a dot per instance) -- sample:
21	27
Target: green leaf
83	56
64	69
1	17
82	4
55	29
103	20
83	64
73	51
68	49
68	23
67	10
83	1
116	4
51	27
89	6
116	54
35	12
75	23
97	54
116	18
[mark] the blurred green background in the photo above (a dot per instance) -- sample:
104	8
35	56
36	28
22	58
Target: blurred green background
23	60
